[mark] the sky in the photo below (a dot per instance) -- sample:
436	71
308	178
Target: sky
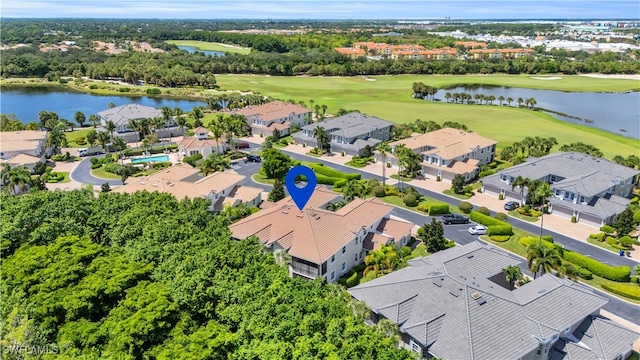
323	9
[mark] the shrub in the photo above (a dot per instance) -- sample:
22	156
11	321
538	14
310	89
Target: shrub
483	210
388	164
626	241
329	172
93	86
500	238
410	200
528	241
535	213
342	153
636	216
340	183
379	191
627	290
611	240
154	91
352	280
500	197
583	273
326	180
438	178
124	89
486	173
500	230
390	190
501	216
574	219
191	160
615	273
424	207
548	238
95	166
160	165
635	279
465	207
438	209
484	219
598	236
607	229
111	167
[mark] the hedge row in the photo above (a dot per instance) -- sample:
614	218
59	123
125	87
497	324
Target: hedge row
627	290
320	169
500	238
485	219
498	230
438	209
326	180
583	273
495	226
615	273
528	241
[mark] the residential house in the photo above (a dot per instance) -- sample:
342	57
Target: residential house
264	119
448	152
201	143
23	148
323	243
472	44
592	189
349	133
221	188
456	304
122	116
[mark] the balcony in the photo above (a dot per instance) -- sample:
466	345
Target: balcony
304	270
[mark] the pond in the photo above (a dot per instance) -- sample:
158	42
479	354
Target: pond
25	104
191	50
614	112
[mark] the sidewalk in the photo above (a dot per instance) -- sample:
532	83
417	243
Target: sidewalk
577	231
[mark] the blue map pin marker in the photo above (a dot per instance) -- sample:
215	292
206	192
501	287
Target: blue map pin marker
300	195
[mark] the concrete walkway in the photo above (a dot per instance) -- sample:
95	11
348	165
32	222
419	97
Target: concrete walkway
578	231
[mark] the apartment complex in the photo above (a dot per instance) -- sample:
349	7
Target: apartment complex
413	51
594	190
221	188
123	115
349	133
323	243
266	118
201	143
23	148
456	304
448	152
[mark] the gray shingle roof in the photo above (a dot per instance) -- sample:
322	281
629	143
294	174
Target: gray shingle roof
350	125
447	302
595	338
121	115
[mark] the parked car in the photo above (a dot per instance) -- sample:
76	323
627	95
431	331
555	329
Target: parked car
478	230
253	158
511	205
455	219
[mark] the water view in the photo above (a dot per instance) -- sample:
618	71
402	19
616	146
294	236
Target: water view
614	112
26	103
191	50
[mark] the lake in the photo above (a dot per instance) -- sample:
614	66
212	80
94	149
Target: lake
191	50
26	103
614	112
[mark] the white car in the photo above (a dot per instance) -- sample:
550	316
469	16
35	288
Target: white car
478	230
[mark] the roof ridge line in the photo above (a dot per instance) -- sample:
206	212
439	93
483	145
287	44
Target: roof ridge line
313	234
466	303
595	327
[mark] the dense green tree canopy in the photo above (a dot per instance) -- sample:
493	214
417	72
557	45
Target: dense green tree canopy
147	276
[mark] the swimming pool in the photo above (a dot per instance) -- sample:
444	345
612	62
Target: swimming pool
156	158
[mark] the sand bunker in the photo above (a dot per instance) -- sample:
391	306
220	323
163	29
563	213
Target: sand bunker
547	78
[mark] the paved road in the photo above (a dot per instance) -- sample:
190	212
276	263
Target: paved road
82	174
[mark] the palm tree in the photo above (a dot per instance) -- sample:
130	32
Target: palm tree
512	274
17	179
353	189
79	118
111	105
384	149
94	120
167	113
217	130
532	102
541	259
522	183
134	124
177	112
56	139
322	138
182	123
501	99
543	191
110	126
490	99
104	138
520	101
509	100
215	162
447	96
119	144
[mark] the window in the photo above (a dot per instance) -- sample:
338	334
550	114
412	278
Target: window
355	257
333	276
566	331
343	267
414	346
344	249
333	258
361	255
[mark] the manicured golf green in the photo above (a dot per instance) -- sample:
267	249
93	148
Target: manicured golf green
204	45
389	97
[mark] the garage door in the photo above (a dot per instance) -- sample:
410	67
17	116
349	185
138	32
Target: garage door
590	219
562	211
491	189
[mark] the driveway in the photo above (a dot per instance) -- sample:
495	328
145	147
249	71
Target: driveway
82	174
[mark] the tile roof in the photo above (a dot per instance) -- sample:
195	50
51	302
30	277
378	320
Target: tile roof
272	111
22	159
121	115
350	125
447	301
394	228
447	143
192	143
24	140
312	234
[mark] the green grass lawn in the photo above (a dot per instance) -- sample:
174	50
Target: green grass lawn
457	196
66	178
204	45
73	135
259	178
389	97
100	173
603	245
397	177
516	214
